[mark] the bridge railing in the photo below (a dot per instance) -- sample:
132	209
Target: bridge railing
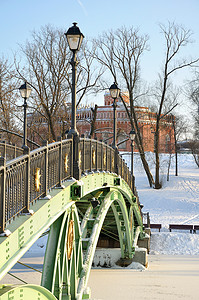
26	178
96	155
10	151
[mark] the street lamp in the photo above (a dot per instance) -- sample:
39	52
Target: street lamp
25	91
114	91
132	137
74	38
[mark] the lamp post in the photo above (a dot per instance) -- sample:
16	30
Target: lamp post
132	137
25	91
74	38
114	91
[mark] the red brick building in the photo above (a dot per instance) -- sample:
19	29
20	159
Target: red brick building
104	125
146	121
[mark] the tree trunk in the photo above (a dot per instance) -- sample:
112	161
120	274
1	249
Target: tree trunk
51	128
176	152
138	139
92	130
157	159
169	165
146	168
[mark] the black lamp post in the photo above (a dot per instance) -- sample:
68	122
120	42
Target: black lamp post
114	91
132	137
74	38
25	91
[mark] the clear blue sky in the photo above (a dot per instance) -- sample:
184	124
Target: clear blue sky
19	18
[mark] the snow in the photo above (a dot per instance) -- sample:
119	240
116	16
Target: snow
134	266
39	247
176	203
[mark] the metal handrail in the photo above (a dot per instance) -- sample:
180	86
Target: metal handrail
26	178
10	151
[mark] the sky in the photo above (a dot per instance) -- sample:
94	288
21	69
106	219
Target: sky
19	18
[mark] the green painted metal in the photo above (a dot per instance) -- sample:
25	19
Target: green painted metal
61	274
64	277
115	200
26	229
24	292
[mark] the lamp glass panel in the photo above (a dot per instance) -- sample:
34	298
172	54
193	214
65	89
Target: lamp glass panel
74	41
25	93
80	41
114	93
132	135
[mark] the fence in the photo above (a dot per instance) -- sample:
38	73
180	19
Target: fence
25	179
10	151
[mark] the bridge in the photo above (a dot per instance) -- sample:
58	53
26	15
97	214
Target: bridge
79	188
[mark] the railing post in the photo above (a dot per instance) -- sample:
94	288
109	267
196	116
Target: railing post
15	151
101	155
91	155
45	144
26	151
71	157
60	161
96	153
133	183
76	168
148	220
121	168
83	154
106	149
4	149
2	194
116	154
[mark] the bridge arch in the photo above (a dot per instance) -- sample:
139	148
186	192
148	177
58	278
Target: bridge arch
76	211
67	268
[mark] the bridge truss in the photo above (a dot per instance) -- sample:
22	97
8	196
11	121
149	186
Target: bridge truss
38	191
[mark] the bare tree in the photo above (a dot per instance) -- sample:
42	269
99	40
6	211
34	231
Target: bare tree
48	71
179	126
120	52
192	93
8	100
93	120
176	37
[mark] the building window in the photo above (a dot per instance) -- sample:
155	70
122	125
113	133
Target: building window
167	143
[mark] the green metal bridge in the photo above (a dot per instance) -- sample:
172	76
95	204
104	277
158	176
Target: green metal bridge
79	188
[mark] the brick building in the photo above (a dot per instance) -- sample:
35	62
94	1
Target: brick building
146	121
104	125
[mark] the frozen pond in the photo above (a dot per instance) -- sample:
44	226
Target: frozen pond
169	277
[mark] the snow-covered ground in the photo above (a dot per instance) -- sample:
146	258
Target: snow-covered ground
176	203
169	276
